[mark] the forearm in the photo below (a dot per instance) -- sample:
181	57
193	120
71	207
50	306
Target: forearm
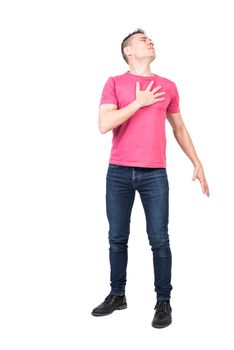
112	119
184	140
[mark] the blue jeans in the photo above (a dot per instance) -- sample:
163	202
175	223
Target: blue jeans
152	185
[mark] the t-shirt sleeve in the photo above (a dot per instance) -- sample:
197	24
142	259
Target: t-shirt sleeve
108	92
173	106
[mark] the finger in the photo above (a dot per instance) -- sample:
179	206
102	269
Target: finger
150	84
137	86
159	99
159	93
203	187
207	190
156	89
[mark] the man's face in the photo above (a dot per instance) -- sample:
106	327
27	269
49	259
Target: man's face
141	47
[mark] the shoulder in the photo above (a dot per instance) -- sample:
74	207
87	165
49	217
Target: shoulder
166	81
118	78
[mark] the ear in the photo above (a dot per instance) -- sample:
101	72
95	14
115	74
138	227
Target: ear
127	50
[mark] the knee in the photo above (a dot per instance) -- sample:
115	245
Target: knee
160	243
118	245
161	248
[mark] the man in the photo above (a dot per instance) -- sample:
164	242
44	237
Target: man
134	106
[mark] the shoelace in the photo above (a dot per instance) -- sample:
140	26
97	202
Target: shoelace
162	306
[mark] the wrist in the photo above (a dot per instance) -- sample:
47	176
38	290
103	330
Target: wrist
137	104
197	163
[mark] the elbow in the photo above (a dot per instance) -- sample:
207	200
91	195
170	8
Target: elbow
102	131
102	128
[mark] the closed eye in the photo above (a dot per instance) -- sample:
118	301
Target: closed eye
150	40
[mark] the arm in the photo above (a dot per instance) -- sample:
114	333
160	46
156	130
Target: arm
110	117
184	140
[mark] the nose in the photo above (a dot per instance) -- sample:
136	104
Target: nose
150	42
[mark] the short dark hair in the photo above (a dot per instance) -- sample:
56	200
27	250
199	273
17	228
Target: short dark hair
127	41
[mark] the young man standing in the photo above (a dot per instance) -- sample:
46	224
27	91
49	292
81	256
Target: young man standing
134	106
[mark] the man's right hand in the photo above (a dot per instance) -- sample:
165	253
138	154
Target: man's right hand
147	97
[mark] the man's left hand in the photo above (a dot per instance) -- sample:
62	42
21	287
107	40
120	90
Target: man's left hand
198	173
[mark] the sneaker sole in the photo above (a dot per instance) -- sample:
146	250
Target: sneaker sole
121	307
161	326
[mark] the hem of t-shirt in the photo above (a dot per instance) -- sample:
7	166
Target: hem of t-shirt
103	101
173	110
140	164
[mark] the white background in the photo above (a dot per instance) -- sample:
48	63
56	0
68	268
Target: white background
55	58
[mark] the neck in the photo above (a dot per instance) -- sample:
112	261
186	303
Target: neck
141	69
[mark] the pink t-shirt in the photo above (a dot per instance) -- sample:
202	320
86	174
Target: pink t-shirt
140	140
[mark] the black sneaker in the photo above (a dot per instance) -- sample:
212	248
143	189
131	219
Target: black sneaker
110	304
162	316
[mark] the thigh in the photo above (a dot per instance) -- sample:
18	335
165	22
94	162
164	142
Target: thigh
154	194
120	197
